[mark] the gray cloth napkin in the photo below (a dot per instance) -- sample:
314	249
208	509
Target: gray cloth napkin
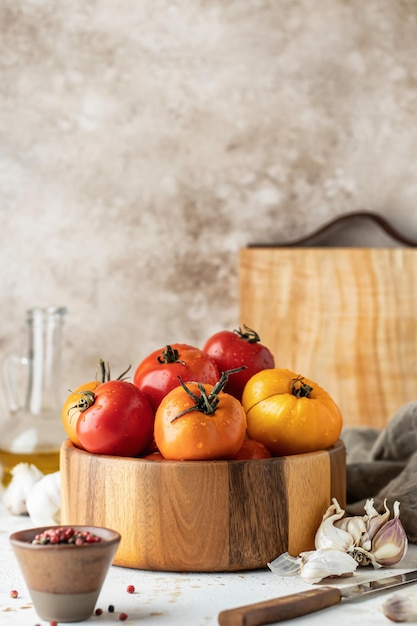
382	464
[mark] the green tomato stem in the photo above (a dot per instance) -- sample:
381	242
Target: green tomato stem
169	355
204	403
302	390
249	335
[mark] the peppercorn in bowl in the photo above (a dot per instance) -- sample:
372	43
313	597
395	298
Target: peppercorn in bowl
64	567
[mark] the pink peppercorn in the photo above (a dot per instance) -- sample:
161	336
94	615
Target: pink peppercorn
122	617
130	589
14	593
65	535
98	611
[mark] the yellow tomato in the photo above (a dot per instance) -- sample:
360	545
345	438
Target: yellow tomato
290	414
72	410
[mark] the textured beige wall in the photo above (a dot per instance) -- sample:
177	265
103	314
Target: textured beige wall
144	142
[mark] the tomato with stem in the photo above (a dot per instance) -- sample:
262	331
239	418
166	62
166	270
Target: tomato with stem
161	370
78	400
232	349
117	420
196	421
290	414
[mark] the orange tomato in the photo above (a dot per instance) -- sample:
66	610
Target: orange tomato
153	456
71	410
290	414
184	431
252	449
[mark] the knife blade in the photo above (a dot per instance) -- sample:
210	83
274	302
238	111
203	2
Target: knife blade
305	602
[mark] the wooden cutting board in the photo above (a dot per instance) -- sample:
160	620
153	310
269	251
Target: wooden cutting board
343	317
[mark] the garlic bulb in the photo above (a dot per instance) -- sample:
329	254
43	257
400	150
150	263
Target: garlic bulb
370	539
44	501
24	477
344	543
325	563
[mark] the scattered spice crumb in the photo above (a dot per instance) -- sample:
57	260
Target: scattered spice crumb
122	617
14	593
130	589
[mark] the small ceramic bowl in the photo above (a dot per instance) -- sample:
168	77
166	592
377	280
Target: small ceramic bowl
64	580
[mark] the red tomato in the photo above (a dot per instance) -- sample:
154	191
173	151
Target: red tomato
252	449
81	399
158	373
118	422
232	349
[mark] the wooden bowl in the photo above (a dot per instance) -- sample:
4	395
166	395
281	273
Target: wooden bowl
202	516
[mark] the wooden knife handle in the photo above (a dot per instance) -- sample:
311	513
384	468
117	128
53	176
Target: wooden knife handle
280	609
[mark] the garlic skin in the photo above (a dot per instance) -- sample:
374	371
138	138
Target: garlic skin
44	501
325	563
24	477
315	565
285	565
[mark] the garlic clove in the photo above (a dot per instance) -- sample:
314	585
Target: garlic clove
374	519
44	501
24	477
390	543
357	528
397	607
324	563
329	536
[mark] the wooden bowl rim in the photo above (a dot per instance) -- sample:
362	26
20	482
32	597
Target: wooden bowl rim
201	463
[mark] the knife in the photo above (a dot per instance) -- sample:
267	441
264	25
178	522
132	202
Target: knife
305	602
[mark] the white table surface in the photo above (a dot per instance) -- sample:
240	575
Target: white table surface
184	599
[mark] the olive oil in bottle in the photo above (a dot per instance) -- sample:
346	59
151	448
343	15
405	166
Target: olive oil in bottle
32	431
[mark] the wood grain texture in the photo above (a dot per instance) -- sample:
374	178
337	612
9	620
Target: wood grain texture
201	515
281	609
343	317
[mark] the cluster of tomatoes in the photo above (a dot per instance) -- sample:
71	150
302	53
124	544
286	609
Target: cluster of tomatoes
224	401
